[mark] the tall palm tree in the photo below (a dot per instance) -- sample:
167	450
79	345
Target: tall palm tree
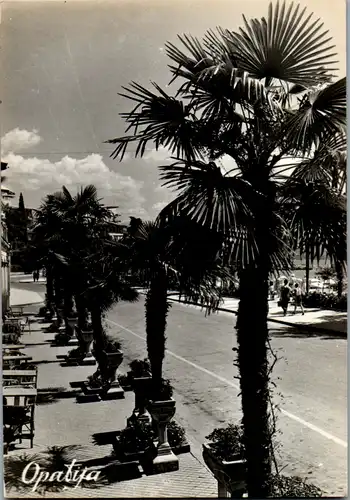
263	96
164	254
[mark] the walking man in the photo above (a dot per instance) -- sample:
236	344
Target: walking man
298	298
285	297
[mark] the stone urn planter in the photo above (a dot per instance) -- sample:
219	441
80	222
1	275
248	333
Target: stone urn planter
230	475
162	412
82	355
141	386
85	338
104	380
71	324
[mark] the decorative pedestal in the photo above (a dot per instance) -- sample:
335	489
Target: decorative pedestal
141	387
85	338
104	382
71	323
229	475
162	412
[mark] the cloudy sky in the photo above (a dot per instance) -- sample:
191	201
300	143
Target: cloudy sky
63	64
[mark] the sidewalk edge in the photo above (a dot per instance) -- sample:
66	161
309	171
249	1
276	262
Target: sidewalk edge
310	328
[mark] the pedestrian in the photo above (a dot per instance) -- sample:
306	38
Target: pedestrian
271	290
298	299
37	275
34	276
285	297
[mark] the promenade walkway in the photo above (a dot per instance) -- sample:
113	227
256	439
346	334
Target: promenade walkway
313	319
61	421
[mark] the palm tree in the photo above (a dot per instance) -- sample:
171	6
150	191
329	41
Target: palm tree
265	97
163	254
71	225
317	185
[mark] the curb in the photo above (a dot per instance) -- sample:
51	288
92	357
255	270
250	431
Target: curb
310	328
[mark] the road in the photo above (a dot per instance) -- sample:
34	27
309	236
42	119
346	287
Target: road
310	379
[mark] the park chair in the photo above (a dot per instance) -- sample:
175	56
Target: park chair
23	320
18	417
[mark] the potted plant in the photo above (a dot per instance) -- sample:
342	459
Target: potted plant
83	352
124	381
177	438
134	442
162	409
138	368
223	454
108	359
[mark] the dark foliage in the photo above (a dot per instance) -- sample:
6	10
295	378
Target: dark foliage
176	434
227	442
326	301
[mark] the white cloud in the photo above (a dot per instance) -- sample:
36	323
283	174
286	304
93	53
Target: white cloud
36	177
163	154
18	139
165	195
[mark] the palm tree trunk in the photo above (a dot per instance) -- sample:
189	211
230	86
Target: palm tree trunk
252	337
100	338
340	278
156	311
68	305
49	290
252	340
82	312
58	300
307	268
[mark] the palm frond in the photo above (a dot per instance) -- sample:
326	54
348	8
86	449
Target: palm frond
316	214
159	119
328	163
321	114
288	46
213	83
206	195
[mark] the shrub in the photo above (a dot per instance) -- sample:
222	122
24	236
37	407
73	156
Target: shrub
136	438
164	392
176	434
139	368
227	442
112	345
326	301
124	380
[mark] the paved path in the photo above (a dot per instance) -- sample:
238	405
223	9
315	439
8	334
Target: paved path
24	291
311	376
64	422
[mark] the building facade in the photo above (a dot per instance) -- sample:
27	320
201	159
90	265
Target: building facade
5	248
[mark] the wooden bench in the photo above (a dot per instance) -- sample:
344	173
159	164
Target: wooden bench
12	347
23	321
20	377
8	360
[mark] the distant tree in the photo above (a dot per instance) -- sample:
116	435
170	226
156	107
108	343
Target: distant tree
22	219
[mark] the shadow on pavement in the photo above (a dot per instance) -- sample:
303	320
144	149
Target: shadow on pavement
299	332
50	395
